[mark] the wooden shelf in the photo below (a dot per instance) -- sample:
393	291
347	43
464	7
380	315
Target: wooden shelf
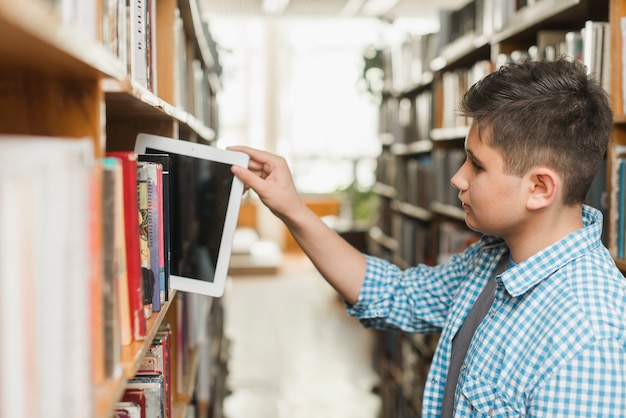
453	212
379	236
384	190
128	100
422	146
33	39
449	134
463	51
412	211
553	14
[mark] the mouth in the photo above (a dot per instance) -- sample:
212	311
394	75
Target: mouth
465	206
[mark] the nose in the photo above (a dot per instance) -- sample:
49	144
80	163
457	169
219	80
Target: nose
458	180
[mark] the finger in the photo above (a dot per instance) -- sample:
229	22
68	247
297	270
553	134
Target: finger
256	156
250	179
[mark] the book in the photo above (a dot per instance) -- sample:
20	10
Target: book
127	410
151	49
147	274
121	270
164	161
164	338
112	342
139	39
151	385
154	172
45	312
98	369
136	396
596	52
131	225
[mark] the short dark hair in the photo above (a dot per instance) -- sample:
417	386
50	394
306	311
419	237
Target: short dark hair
548	113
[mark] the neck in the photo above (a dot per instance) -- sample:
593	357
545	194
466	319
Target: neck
543	230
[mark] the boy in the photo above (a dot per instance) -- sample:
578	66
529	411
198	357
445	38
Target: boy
533	316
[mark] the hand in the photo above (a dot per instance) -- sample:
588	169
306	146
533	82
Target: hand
269	176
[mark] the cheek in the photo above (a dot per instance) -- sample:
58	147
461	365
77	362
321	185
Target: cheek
494	195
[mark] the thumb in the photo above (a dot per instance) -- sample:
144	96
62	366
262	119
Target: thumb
247	177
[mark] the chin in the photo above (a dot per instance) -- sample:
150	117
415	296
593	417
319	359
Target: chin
472	225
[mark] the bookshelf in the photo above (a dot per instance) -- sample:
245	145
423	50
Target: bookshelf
68	71
419	218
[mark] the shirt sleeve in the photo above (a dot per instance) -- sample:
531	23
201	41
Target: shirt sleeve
592	384
414	300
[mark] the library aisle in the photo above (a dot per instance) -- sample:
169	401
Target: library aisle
294	352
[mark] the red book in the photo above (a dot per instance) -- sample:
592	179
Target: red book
137	396
164	336
133	262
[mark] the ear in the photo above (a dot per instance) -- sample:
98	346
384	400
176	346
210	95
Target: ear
544	186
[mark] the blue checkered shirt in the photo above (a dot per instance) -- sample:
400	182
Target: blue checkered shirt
552	345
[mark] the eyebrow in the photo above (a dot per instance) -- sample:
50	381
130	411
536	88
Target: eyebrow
472	156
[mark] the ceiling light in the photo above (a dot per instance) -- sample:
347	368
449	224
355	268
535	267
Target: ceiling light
378	7
274	7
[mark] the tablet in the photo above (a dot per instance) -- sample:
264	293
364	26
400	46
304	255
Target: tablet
204	202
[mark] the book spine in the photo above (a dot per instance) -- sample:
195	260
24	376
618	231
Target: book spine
109	291
153	229
138	26
98	373
123	297
162	161
133	262
144	239
161	235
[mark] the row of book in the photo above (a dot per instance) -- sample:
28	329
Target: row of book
423	178
402	361
162	378
415	180
128	29
479	18
408	63
590	45
415	240
196	81
408	119
411	119
135	248
83	261
445	163
454	84
47	275
149	394
454	237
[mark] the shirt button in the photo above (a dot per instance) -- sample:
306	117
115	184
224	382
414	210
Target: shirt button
490	412
492	314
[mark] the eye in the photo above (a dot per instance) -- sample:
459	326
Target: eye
475	166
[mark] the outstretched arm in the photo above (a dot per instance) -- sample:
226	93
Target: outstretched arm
342	265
